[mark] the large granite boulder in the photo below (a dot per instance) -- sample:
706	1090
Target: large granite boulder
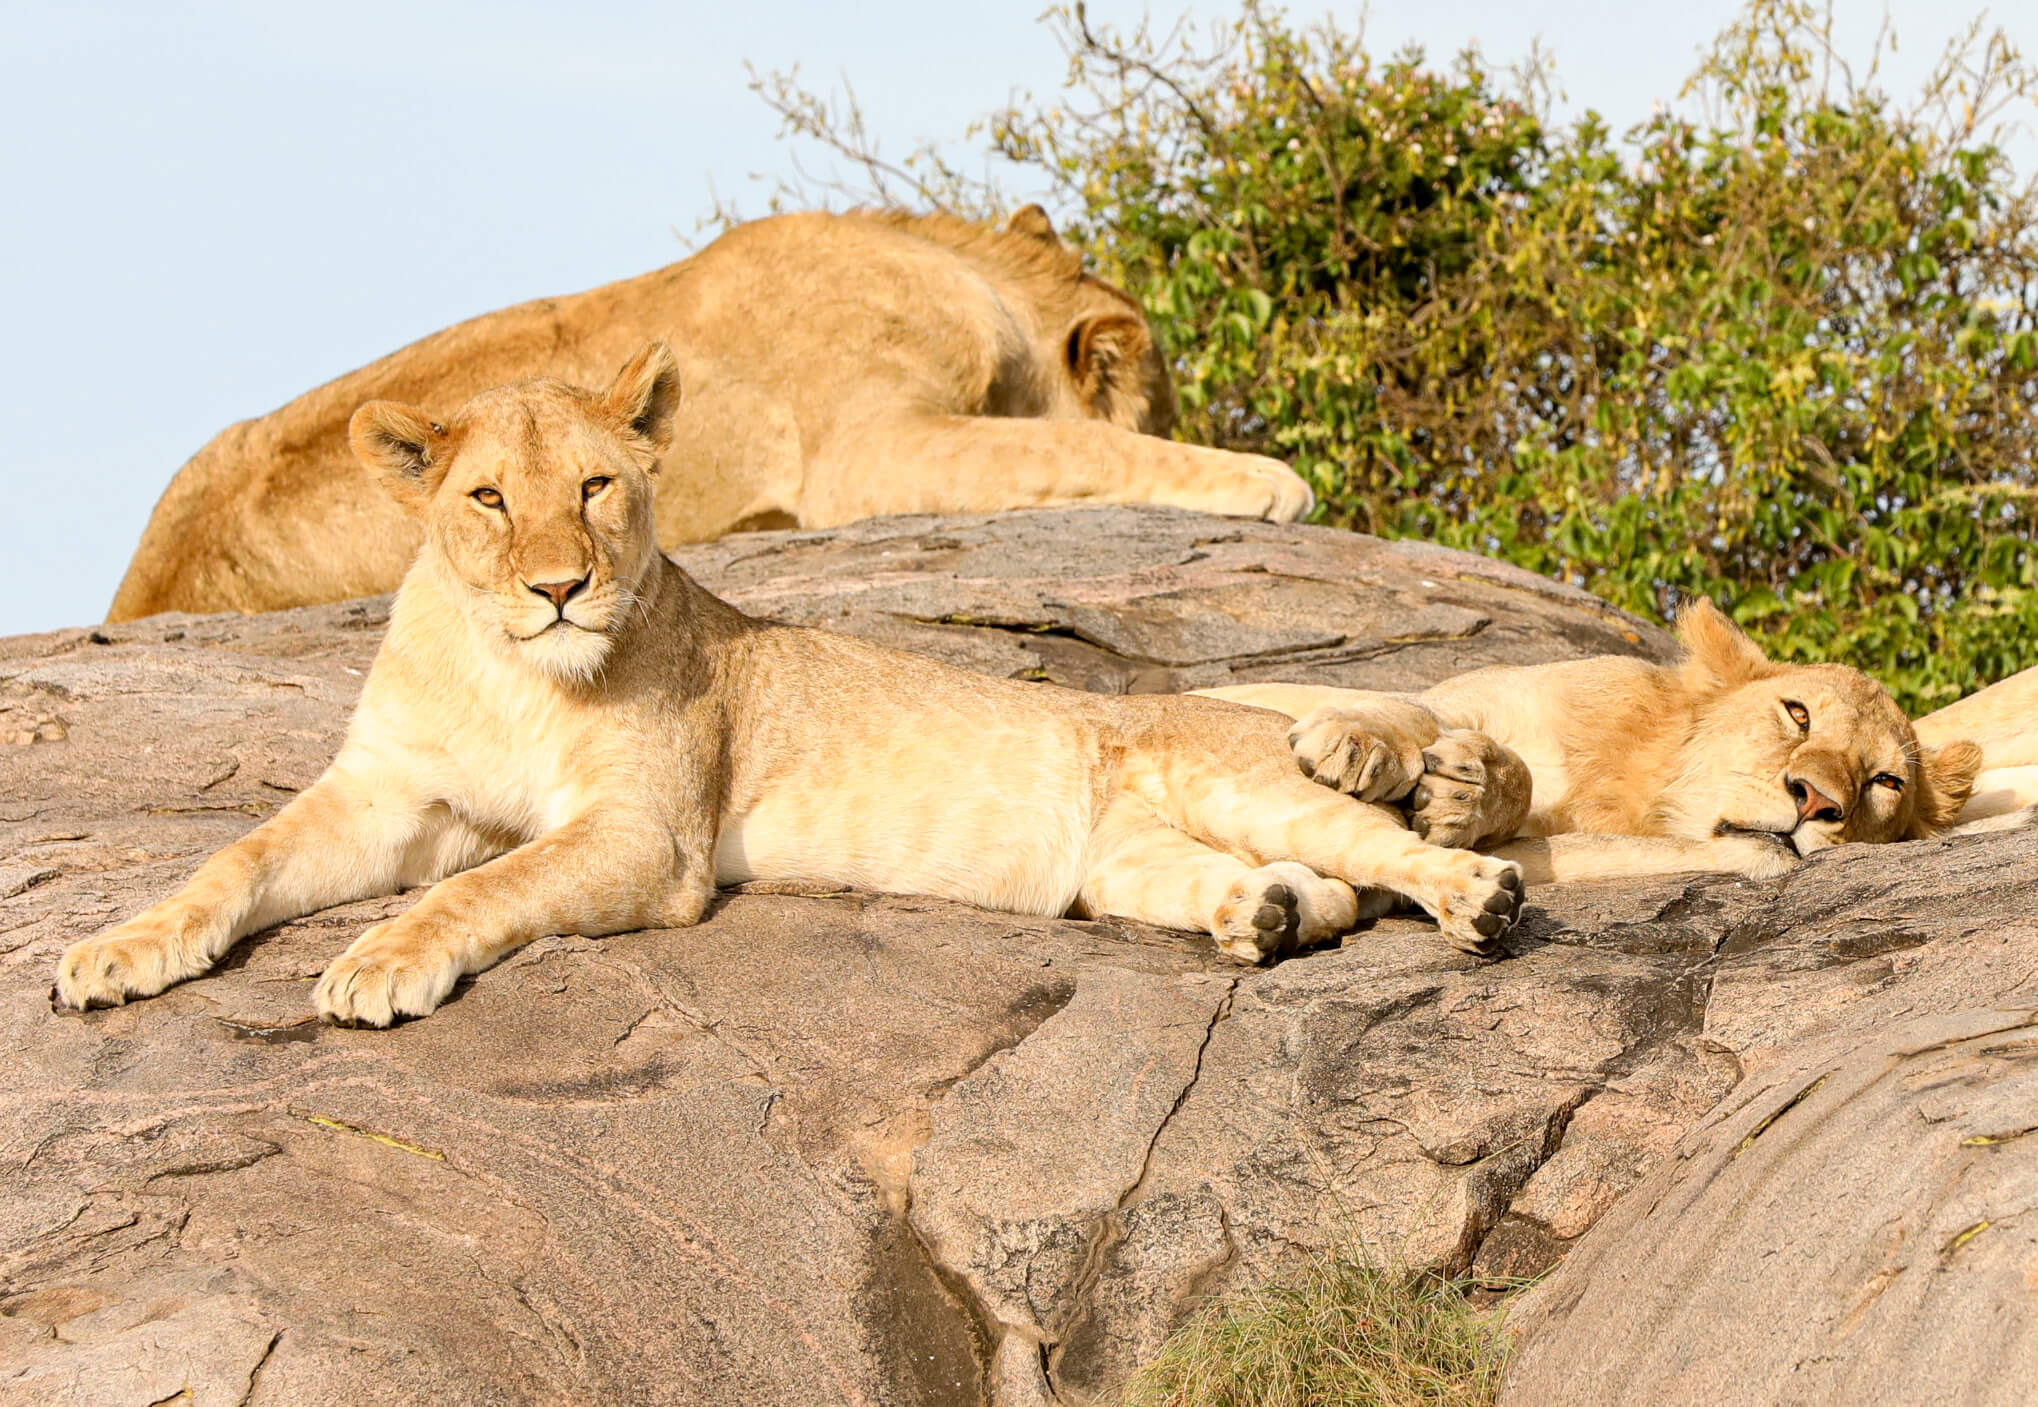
838	1147
1857	1221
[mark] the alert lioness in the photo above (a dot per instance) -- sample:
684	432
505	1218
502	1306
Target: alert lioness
563	733
1726	761
838	367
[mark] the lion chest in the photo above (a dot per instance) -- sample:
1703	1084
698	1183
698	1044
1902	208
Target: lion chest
514	772
534	795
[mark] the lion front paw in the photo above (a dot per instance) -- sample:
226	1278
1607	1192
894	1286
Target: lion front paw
138	958
392	970
1472	792
1244	486
1291	498
1351	754
1755	856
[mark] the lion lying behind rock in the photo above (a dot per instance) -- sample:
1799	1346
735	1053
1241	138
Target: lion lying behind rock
562	733
837	367
1727	761
2002	720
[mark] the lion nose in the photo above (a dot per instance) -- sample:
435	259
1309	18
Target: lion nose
558	592
1813	804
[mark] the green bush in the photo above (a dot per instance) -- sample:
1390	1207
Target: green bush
1783	352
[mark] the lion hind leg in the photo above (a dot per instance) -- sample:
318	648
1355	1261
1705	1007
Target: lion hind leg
1142	868
1279	908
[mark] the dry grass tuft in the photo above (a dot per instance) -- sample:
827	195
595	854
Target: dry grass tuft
1348	1334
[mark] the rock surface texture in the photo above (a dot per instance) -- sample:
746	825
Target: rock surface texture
1858	1221
845	1148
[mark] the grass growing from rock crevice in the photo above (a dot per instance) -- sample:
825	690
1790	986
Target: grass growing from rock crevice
1346	1334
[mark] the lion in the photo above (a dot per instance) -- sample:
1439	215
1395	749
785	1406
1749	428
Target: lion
1726	761
838	367
2002	720
563	733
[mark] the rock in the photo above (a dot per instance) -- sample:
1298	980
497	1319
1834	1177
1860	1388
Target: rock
1855	1221
980	1199
838	1147
1856	1224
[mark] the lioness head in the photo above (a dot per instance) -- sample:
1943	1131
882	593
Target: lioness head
1115	369
1814	755
538	498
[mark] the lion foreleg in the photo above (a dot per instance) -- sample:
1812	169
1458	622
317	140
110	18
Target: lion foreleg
342	839
1462	788
1142	868
991	464
595	875
1474	792
1560	858
1284	816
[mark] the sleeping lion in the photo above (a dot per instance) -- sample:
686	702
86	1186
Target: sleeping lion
563	733
839	367
1726	761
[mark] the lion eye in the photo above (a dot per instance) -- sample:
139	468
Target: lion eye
594	486
487	498
1799	714
1887	779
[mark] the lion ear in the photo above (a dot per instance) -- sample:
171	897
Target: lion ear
403	447
1104	356
644	396
1032	220
1946	778
1714	646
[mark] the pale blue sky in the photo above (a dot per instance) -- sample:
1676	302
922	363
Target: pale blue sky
215	206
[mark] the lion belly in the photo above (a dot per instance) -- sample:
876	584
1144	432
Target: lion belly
1003	827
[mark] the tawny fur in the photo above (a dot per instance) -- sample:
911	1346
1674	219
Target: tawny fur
838	366
1726	761
2002	720
563	733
